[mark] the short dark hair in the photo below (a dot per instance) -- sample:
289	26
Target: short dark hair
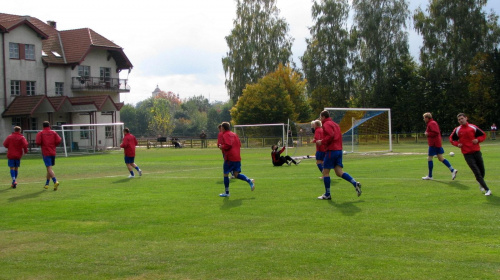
226	126
17	128
325	114
126	130
461	115
273	147
46	124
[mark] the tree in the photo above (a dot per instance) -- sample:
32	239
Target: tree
161	118
258	43
381	41
271	99
325	61
128	115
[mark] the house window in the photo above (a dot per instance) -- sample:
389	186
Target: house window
34	124
108	132
15	87
83	71
30	88
16	121
14	50
84	132
29	52
59	88
105	73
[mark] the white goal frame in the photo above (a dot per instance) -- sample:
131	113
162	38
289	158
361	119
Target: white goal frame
388	110
64	128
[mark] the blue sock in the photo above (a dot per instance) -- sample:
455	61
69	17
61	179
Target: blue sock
327	185
132	172
54	180
47	182
17	172
348	178
226	184
137	168
448	164
431	166
320	167
13	175
243	177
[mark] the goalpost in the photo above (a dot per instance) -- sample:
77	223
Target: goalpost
364	129
91	138
261	135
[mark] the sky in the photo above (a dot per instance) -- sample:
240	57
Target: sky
176	45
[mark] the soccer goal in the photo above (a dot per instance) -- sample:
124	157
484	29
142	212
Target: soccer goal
261	135
364	129
91	138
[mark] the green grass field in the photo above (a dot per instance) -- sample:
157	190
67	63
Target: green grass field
171	224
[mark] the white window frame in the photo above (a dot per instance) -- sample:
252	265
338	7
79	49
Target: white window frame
14	51
30	88
59	88
29	52
105	73
15	88
83	71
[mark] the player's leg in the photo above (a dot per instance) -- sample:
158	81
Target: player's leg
327	166
430	164
227	168
344	175
241	176
137	168
472	163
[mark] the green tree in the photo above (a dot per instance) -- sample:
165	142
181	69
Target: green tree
275	98
325	61
128	115
161	117
258	43
453	32
379	27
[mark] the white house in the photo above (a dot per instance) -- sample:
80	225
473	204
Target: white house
64	77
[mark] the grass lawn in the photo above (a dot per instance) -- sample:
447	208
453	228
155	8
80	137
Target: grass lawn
171	224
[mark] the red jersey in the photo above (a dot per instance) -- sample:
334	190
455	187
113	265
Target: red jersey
48	140
332	137
128	144
231	146
433	134
16	144
464	134
318	135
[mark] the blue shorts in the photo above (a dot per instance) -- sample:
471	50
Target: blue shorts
320	155
433	151
49	160
14	162
332	159
129	159
232	166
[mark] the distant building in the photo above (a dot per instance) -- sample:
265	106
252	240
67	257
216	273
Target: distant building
156	91
64	77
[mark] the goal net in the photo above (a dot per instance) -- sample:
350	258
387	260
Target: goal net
261	135
364	129
91	138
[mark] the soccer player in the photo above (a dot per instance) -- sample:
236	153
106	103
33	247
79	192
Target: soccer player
278	159
15	144
128	144
317	129
48	140
230	146
435	147
332	140
467	137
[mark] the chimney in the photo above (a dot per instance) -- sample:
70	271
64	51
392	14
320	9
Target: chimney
52	24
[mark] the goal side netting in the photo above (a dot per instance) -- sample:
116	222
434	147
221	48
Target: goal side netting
91	138
364	129
261	135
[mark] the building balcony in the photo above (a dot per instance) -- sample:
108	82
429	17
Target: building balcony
99	84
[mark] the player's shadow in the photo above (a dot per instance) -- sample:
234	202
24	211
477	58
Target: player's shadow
229	203
26	196
456	184
493	199
121	181
347	208
5	190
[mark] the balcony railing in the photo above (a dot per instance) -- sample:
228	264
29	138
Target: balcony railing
99	84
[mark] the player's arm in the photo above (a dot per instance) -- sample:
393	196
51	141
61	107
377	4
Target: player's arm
25	145
432	130
454	140
480	135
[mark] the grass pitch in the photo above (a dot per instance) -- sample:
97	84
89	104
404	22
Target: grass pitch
171	224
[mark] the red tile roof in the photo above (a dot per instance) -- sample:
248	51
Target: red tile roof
72	45
28	105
